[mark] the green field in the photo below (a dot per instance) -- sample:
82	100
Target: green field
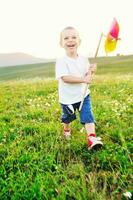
119	65
41	70
36	162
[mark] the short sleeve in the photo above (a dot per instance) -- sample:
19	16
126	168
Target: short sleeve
61	69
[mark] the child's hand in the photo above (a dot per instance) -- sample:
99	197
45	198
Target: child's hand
93	68
87	78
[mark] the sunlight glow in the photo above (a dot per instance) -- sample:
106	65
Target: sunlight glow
33	26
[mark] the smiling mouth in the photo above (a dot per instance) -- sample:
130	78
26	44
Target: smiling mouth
71	45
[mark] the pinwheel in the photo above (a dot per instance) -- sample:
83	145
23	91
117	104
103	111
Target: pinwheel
112	37
110	45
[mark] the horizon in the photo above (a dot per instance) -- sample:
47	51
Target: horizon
50	58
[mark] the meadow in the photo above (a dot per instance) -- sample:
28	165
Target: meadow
36	162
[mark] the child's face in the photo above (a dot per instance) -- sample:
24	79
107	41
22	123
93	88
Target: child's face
70	40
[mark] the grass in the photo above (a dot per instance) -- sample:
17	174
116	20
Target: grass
35	160
27	71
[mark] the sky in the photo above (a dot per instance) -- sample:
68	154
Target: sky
34	26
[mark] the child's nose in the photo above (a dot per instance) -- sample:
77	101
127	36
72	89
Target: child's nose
70	39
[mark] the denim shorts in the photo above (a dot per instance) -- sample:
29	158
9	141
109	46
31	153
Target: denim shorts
69	112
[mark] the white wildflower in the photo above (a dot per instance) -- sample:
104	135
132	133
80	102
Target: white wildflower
82	130
47	104
128	194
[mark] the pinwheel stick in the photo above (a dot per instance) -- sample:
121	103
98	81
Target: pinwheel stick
86	86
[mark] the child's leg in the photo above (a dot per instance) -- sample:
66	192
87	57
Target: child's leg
93	141
86	117
90	128
66	126
67	130
67	118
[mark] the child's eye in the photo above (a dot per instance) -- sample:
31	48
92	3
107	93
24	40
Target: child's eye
74	37
66	38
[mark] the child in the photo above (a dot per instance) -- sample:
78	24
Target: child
73	73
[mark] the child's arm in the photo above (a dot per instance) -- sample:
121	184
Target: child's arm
74	79
93	68
87	79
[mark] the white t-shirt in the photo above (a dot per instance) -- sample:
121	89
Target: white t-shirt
70	93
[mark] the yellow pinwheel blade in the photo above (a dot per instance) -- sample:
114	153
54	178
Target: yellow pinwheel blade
110	45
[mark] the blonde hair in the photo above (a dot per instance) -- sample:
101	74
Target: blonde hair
67	28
